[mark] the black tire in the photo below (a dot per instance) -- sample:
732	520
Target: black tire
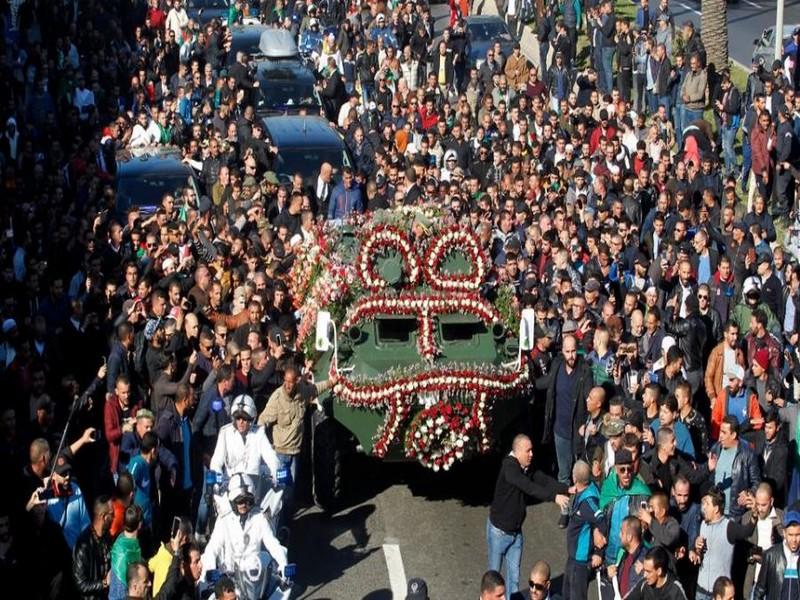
327	453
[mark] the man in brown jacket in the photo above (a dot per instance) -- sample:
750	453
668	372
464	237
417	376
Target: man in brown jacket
516	69
285	412
723	353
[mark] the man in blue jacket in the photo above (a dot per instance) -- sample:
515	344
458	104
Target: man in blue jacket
585	515
345	197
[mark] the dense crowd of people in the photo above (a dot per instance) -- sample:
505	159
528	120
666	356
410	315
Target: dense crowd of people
147	358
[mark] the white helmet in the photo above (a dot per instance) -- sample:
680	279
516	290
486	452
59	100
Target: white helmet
751	284
240	485
244	404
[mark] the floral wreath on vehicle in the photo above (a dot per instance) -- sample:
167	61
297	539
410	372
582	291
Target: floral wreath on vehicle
457	423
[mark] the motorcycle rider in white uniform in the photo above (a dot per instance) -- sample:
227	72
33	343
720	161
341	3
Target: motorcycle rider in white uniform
242	533
243	447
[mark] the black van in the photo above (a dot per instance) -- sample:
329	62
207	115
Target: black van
304	143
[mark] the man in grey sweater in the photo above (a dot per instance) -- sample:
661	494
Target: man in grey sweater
693	91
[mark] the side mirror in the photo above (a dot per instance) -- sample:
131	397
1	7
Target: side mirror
323	341
526	329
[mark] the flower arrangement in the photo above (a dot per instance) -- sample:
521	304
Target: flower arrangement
455	239
380	239
442	434
436	412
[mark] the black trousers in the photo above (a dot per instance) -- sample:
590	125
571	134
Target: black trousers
625	83
576	580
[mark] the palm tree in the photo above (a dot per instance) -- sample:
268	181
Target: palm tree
714	27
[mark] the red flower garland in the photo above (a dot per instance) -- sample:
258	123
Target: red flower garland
450	240
441	434
379	238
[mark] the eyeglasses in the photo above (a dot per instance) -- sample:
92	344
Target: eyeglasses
539	587
703	297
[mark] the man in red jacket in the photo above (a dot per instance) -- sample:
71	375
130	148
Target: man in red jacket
762	143
119	417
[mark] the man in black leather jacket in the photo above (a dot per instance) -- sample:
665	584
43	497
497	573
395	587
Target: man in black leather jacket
744	474
774	574
91	564
690	334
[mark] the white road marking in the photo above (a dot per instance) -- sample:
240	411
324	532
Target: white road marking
687	7
753	4
397	573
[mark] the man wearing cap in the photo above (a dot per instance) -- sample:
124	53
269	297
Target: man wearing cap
778	577
621	496
417	589
737	401
751	302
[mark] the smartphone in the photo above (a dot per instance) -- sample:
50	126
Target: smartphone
643	505
176	525
290	570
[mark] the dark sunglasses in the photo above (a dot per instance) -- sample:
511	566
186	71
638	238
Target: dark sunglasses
625	468
703	297
539	587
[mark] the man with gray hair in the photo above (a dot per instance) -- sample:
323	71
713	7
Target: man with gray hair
585	515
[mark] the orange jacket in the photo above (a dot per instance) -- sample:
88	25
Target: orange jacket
719	411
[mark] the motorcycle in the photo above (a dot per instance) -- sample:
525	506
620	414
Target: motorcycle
256	577
271	501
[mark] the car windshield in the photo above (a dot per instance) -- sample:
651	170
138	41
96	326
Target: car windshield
306	161
488	30
147	189
278	94
245	42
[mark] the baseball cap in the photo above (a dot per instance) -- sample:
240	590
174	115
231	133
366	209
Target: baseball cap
592	285
791	518
417	589
270	177
734	371
612	428
623	456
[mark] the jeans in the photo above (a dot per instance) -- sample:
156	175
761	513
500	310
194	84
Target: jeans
666	101
639	89
652	102
287	461
607	56
202	508
690	115
508	547
728	135
747	161
563	457
679	118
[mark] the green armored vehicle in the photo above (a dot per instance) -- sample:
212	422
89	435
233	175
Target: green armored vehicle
428	368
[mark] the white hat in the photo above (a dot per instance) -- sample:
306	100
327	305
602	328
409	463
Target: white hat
750	284
734	371
667	343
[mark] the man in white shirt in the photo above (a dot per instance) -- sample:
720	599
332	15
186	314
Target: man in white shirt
145	132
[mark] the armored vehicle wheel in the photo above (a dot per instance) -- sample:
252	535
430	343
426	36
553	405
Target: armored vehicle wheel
327	453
